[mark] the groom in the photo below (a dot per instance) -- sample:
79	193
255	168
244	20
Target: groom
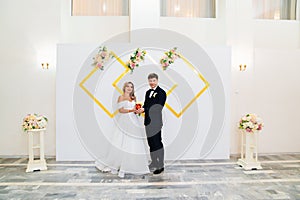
154	102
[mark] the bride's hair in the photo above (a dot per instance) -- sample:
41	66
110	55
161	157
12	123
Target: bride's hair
132	95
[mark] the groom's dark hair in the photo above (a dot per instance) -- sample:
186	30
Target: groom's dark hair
153	75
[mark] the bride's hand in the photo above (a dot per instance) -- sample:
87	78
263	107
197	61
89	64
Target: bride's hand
141	110
137	111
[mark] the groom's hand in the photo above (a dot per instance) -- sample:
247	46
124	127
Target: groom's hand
141	110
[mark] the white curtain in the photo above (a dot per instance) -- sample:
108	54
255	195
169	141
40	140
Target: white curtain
188	8
275	9
99	7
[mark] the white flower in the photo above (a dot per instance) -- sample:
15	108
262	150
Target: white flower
34	121
42	123
250	121
251	125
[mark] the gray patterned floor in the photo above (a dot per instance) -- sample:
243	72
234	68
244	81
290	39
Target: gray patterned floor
200	179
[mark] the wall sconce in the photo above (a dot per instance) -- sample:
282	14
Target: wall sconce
45	65
243	67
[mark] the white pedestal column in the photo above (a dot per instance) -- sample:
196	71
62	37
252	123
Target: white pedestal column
36	164
249	157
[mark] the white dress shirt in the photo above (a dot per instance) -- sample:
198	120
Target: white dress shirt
151	93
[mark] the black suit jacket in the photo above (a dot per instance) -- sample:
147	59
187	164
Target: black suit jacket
153	107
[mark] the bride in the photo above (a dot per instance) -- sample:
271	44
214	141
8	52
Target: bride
128	152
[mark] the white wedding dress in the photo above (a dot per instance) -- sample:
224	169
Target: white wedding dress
128	152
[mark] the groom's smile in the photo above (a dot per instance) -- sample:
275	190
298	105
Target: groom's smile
153	82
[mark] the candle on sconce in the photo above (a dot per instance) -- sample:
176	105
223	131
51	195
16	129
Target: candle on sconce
243	67
45	65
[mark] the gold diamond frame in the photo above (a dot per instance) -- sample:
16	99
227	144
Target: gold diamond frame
178	114
110	114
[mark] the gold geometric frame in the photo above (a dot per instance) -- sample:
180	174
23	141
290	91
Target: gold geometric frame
177	114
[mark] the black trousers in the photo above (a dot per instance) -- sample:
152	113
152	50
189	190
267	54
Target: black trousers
156	147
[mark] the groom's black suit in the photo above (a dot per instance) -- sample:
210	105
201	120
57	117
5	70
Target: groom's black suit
153	106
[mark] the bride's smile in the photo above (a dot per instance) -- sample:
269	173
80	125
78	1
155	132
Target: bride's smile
128	89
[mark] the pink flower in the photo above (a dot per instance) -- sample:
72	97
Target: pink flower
139	54
259	127
103	54
248	130
99	65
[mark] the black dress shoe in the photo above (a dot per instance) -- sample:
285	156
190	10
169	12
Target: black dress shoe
159	171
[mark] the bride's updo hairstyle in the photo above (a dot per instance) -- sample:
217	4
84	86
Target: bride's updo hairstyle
132	96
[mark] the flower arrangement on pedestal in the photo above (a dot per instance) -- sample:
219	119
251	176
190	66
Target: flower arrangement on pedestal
34	121
102	57
169	58
135	58
251	123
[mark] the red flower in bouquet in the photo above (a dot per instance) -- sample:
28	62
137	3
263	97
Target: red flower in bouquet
138	106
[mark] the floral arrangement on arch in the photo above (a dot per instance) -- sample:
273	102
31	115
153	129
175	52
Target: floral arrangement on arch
34	121
102	57
251	123
169	58
135	58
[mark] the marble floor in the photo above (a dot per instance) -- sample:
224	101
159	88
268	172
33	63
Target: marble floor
193	179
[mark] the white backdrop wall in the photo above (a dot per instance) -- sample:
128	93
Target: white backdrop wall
31	29
68	131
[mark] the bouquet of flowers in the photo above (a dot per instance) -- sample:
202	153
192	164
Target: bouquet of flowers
251	123
34	121
138	106
169	58
102	57
135	58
